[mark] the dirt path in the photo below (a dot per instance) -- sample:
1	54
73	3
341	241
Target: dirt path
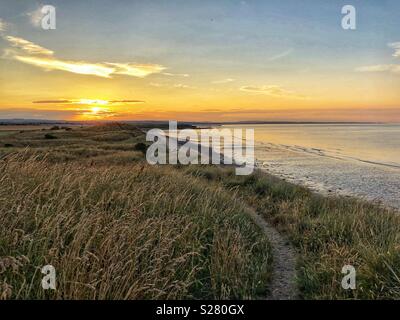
283	285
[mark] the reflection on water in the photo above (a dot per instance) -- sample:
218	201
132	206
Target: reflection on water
358	160
374	143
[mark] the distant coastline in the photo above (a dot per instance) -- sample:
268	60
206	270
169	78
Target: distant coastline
165	122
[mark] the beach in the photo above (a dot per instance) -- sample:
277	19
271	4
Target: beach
350	160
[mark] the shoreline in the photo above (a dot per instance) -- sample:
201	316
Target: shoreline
333	176
331	193
313	186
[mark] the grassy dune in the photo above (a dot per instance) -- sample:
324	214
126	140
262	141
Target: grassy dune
117	228
328	232
114	227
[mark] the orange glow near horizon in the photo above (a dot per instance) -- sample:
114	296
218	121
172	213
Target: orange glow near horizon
96	112
34	81
93	101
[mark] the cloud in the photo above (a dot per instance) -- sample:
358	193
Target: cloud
183	86
44	58
167	85
392	68
28	46
35	16
52	114
86	68
53	101
228	80
273	91
281	55
185	75
396	47
3	25
101	113
156	84
87	101
126	101
136	70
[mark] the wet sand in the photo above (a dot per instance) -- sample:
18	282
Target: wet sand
330	174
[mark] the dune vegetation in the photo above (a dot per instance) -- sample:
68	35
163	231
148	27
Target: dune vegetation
114	227
328	233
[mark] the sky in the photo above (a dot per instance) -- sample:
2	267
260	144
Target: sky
225	60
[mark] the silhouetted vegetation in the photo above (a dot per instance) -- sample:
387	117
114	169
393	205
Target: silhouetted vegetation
49	136
140	147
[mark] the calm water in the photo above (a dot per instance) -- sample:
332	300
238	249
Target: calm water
360	160
375	143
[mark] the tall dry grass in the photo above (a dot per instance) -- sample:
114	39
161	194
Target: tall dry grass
328	232
123	232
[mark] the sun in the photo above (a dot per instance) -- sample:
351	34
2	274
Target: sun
95	113
96	110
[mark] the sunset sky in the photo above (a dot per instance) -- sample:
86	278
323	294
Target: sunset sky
219	60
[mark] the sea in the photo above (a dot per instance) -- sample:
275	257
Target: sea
361	160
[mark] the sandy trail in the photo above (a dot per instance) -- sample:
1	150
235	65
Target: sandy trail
283	285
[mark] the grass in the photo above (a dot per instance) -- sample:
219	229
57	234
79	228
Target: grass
116	228
328	232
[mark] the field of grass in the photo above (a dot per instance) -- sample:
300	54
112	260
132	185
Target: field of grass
328	233
114	227
85	201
